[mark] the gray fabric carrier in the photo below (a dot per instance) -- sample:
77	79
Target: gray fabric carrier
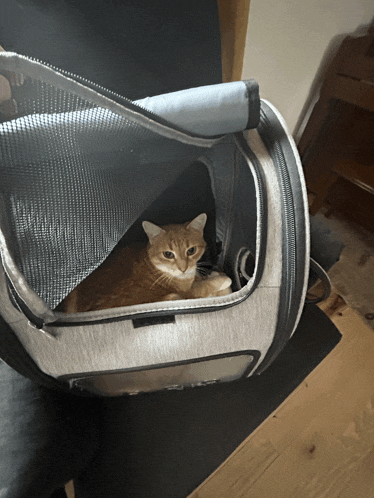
81	168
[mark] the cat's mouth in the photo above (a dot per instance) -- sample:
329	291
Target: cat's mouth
186	274
176	272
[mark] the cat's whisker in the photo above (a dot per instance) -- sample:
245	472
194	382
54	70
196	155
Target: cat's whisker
159	279
203	272
202	269
155	282
164	278
168	279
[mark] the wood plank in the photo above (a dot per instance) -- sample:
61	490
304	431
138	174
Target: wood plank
233	16
5	90
361	482
69	489
354	92
258	457
357	173
321	460
319	438
360	67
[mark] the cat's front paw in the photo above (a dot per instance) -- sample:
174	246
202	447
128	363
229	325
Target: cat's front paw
220	280
172	297
226	282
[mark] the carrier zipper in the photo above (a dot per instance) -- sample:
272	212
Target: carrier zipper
289	215
291	289
86	81
119	99
288	207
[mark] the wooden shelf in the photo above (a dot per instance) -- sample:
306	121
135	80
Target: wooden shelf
338	140
359	174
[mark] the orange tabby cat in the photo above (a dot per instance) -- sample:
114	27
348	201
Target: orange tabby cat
166	269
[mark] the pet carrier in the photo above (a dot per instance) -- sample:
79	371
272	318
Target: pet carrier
81	168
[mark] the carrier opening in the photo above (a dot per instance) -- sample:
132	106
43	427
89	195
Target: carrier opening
211	267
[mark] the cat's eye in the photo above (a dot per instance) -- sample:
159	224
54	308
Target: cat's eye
191	251
168	255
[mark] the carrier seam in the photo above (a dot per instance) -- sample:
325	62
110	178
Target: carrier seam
225	304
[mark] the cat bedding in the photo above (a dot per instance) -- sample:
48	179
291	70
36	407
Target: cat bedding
86	174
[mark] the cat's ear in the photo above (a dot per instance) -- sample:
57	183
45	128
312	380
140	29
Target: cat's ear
198	223
152	230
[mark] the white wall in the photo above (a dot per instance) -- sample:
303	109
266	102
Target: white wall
287	40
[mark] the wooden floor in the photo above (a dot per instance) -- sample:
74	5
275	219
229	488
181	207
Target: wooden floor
320	442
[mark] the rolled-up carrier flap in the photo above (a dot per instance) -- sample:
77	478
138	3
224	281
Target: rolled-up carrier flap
210	110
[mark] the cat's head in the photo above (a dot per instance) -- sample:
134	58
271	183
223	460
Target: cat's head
175	249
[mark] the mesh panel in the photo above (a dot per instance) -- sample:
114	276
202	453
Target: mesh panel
74	177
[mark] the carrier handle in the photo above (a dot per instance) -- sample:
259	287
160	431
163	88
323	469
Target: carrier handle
323	276
210	110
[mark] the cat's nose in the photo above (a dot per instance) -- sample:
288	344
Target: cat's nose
182	266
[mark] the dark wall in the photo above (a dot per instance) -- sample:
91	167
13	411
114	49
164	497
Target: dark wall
136	48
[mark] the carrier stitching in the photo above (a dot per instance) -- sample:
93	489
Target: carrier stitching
171	309
228	302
